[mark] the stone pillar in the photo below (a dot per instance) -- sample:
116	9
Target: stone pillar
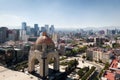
44	68
31	62
56	64
41	69
31	65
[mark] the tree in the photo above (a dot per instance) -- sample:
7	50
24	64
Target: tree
106	66
88	73
76	63
115	45
80	73
86	69
89	58
83	49
83	56
100	61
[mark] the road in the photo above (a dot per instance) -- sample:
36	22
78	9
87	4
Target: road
98	66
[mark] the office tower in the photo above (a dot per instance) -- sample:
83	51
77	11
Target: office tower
17	34
32	31
113	32
13	35
47	28
28	30
23	36
24	25
101	32
3	34
43	29
36	29
99	42
52	29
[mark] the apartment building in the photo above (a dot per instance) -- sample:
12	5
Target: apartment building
98	54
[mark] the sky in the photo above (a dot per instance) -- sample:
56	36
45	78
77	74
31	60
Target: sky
61	13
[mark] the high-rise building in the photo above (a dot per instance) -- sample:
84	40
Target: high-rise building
24	25
32	31
28	30
23	36
52	29
17	35
11	35
36	29
3	34
47	28
23	31
99	42
43	29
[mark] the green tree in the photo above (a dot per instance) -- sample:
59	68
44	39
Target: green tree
75	63
106	66
116	45
100	61
80	73
83	49
83	56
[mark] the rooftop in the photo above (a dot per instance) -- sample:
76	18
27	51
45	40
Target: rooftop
109	75
7	74
44	39
114	70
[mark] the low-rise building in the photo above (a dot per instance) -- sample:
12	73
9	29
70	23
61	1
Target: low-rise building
113	73
10	55
98	54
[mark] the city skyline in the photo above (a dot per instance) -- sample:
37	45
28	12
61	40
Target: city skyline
61	13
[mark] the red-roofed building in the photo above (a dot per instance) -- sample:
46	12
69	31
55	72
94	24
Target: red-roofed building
114	71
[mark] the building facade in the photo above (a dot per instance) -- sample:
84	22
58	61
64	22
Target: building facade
3	34
24	25
98	55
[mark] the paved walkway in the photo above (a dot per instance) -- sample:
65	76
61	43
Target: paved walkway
86	63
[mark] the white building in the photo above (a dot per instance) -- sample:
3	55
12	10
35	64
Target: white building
98	54
23	36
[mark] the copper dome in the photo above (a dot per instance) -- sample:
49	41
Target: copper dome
44	39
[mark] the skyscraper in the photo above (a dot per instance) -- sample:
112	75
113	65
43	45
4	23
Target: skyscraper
28	30
43	29
3	34
23	36
47	28
24	25
36	29
52	29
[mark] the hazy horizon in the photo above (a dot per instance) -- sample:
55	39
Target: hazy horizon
61	13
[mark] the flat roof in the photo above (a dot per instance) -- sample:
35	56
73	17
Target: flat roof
7	74
109	76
